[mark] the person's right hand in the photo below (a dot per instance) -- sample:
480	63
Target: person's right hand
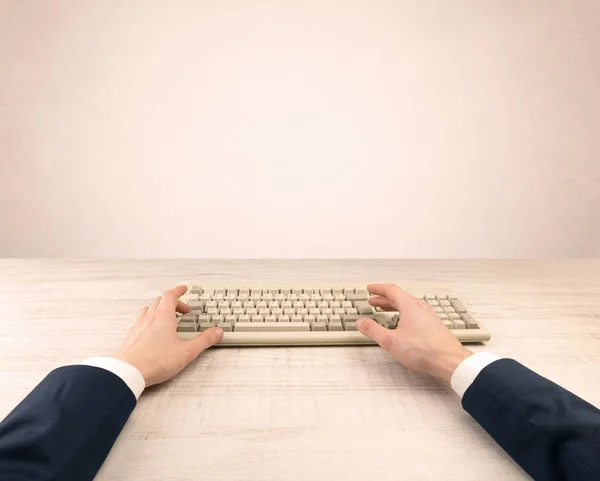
421	342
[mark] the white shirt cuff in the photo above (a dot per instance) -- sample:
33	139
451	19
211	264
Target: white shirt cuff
469	369
129	374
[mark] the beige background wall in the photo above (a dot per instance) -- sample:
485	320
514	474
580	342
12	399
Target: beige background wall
300	129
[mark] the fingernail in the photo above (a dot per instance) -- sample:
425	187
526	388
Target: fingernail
360	323
219	333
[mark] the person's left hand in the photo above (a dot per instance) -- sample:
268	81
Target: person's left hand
152	345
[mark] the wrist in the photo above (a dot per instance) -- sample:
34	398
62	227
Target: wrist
446	363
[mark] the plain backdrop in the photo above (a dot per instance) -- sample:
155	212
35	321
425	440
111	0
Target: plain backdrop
380	128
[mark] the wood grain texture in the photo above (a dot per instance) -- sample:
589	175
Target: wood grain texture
346	413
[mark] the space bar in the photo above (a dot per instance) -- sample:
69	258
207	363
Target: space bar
271	326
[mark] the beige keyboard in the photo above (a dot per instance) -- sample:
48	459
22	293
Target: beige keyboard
254	314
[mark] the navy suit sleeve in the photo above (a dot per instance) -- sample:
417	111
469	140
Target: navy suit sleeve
64	429
550	432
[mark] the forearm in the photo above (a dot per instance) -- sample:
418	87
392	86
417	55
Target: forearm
550	432
66	426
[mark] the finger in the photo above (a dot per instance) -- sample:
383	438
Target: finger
169	299
141	314
153	305
182	307
205	340
395	294
382	302
375	331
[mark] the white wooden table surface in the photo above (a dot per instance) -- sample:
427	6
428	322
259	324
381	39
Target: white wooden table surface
336	413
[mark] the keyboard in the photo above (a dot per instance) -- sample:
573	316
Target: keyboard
287	314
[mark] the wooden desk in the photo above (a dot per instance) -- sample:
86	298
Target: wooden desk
300	413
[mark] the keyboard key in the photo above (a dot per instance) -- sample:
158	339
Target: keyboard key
257	318
335	326
363	307
297	319
190	317
271	326
284	318
448	324
319	326
470	323
187	327
197	290
206	325
226	326
458	306
458	324
270	319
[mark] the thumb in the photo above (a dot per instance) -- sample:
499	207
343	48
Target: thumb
203	341
373	330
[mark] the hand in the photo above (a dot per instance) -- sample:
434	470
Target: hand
152	345
420	342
